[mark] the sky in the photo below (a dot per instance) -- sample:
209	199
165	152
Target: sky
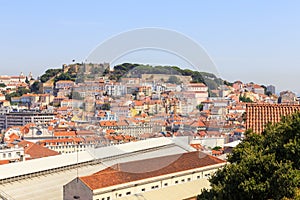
256	41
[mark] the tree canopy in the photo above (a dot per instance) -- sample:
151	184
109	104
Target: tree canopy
265	166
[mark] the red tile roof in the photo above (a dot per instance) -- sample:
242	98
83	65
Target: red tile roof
258	115
35	150
143	169
64	133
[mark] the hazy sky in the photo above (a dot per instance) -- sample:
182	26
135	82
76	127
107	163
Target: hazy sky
249	41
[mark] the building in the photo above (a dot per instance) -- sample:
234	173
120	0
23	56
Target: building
22	118
8	155
287	97
258	115
35	174
271	89
64	84
258	89
136	177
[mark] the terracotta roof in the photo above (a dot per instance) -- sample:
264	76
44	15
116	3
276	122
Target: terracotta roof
108	123
149	168
64	133
36	151
198	123
258	115
2	162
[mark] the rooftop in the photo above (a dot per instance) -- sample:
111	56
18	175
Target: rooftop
258	115
148	168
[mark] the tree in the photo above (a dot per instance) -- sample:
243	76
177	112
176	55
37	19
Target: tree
26	80
2	85
174	80
265	166
200	107
76	95
35	87
105	106
245	99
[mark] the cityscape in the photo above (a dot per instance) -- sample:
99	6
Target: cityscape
111	126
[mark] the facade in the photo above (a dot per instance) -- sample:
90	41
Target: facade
8	155
271	88
22	118
287	97
64	84
258	89
137	177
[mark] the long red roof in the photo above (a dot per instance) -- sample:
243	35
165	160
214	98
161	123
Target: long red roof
143	169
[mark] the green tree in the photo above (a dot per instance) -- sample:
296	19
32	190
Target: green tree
245	99
200	107
35	87
76	95
2	85
105	106
174	80
265	166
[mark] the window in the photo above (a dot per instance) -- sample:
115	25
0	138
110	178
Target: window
120	195
198	177
152	187
128	193
176	182
189	179
166	184
9	155
143	190
108	198
182	180
103	198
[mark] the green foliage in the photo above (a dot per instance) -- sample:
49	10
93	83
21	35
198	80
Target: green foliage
265	166
105	106
76	95
49	74
174	80
245	99
63	76
200	107
136	70
20	91
2	85
228	83
217	148
35	87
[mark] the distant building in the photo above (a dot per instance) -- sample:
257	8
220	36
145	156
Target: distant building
258	115
237	85
258	89
271	88
64	84
138	177
23	118
199	89
8	155
287	97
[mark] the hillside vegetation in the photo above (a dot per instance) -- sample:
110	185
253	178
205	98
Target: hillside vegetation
90	71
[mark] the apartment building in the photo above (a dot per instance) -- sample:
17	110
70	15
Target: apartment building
22	118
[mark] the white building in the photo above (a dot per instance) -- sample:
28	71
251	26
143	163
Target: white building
14	154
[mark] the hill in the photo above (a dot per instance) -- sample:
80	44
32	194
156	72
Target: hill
80	72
